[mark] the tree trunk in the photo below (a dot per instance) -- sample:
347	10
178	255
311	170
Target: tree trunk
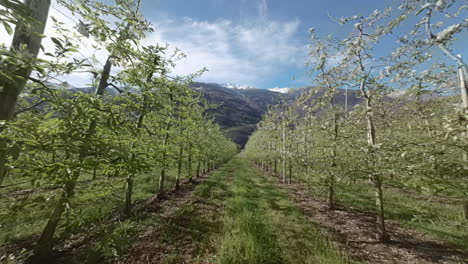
189	167
283	156
45	244
290	172
3	160
129	185
331	187
275	172
128	195
32	39
331	192
463	77
371	144
198	169
162	179
162	176
379	202
11	90
104	81
179	169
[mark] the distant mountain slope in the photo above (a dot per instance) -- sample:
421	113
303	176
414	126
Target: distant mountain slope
239	110
354	97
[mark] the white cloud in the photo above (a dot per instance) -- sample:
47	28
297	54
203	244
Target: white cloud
272	41
243	53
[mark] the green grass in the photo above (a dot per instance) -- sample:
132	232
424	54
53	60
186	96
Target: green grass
262	226
441	220
95	206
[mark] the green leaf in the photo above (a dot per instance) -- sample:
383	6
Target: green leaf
8	28
57	42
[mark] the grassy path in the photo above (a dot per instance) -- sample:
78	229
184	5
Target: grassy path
260	225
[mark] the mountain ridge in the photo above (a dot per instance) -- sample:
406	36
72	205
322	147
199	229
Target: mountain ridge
238	110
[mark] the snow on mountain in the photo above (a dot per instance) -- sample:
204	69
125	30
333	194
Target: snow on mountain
237	86
280	90
231	85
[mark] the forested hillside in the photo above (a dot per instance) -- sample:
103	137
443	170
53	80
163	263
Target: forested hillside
237	111
367	163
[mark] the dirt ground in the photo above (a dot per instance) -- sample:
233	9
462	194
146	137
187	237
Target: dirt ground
175	239
354	231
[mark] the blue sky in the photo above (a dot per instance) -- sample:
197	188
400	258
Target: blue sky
260	43
252	43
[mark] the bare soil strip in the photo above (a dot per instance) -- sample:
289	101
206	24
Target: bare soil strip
354	230
185	222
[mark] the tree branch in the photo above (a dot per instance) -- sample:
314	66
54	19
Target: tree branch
115	87
29	108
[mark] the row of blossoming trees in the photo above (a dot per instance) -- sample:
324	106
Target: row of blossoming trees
418	139
56	141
